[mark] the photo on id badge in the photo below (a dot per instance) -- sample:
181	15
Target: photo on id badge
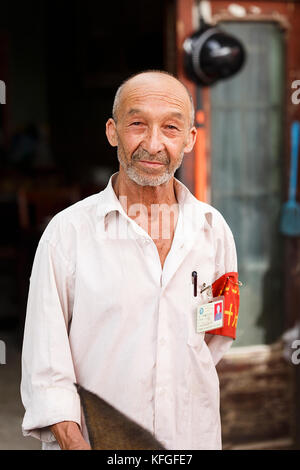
218	311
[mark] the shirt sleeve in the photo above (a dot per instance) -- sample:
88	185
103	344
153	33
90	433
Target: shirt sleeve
226	261
47	384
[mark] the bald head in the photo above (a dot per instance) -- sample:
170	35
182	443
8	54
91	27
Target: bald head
154	79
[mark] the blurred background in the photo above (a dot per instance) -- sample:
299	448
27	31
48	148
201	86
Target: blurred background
61	63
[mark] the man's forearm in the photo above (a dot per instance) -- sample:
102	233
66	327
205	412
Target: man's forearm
68	436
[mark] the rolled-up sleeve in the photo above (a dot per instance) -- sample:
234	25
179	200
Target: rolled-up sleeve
47	385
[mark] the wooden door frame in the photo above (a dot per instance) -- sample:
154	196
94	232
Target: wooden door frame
185	27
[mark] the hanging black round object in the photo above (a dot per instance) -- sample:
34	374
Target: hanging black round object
211	54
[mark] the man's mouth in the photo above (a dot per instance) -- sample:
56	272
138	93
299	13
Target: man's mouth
151	164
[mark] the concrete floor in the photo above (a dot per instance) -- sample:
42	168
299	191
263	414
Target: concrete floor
11	408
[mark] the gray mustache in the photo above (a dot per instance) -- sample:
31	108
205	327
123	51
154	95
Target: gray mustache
142	154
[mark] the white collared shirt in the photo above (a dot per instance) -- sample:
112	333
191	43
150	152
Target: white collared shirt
103	313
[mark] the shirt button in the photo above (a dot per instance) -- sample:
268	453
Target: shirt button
162	341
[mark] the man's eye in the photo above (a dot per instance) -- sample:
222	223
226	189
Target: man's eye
170	126
136	123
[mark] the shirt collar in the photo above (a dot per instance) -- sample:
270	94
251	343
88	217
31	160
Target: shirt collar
108	202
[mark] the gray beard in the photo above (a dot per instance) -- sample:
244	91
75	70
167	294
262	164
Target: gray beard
144	180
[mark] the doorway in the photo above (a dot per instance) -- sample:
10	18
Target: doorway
247	177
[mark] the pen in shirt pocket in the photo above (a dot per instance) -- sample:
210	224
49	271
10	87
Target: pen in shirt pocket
195	281
203	288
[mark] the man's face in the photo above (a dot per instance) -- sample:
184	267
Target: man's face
153	129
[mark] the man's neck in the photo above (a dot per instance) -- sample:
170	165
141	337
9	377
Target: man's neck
155	209
134	193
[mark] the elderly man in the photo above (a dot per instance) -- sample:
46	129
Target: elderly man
115	286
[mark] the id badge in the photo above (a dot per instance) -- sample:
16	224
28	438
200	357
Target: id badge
210	315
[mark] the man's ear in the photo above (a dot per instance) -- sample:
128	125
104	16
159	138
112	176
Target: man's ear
111	132
190	140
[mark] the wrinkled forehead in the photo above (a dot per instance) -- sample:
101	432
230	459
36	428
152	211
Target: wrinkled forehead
155	91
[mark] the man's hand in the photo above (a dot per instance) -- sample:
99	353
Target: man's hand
68	436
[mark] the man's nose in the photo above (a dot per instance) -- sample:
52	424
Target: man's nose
153	141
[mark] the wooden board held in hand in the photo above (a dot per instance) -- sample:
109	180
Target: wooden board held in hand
109	429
